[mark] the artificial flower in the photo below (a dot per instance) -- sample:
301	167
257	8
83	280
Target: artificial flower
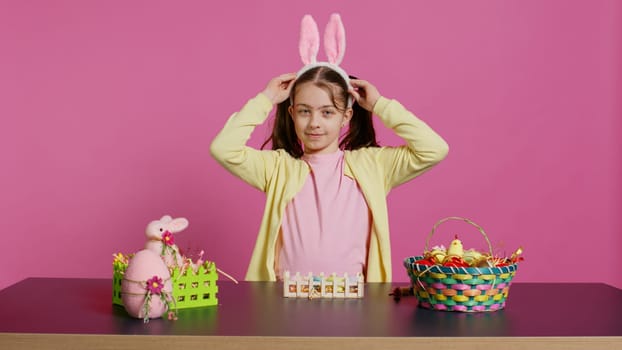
168	238
155	285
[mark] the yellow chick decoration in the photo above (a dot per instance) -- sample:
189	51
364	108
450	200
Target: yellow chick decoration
472	257
455	248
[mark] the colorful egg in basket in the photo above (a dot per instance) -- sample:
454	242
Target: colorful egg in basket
461	288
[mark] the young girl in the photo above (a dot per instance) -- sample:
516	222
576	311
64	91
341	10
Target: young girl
326	179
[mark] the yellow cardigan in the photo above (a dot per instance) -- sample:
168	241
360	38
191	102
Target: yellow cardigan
376	169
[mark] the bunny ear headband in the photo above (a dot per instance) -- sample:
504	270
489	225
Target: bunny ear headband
334	46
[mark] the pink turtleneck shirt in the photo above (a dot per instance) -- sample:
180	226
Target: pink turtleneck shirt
326	226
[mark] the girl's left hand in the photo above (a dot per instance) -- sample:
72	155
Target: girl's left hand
365	94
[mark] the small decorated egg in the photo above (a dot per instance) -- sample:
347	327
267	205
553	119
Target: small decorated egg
146	286
438	253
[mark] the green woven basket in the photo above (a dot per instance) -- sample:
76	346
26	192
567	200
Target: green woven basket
461	289
190	289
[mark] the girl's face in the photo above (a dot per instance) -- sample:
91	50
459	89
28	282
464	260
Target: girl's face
317	121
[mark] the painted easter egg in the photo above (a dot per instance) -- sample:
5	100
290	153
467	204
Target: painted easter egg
146	282
438	254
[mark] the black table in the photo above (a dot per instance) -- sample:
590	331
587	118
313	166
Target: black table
78	313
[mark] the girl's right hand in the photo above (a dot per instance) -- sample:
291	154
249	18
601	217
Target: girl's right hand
278	88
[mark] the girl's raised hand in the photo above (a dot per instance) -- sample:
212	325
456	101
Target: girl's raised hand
278	88
365	94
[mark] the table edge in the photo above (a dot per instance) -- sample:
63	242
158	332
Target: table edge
105	341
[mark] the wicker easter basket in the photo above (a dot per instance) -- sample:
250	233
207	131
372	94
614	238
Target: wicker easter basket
461	289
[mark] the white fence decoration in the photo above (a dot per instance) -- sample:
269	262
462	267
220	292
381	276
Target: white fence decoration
332	286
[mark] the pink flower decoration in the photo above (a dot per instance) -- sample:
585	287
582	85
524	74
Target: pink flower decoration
168	238
155	285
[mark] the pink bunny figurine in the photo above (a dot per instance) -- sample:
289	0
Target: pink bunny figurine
161	241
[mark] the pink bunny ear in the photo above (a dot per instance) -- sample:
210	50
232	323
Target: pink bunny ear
309	40
335	40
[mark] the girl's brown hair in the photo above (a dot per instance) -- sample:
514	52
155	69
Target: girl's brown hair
360	133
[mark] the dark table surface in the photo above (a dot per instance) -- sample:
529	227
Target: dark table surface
84	306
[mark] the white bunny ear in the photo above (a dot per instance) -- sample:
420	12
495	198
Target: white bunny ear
335	40
166	218
309	40
178	225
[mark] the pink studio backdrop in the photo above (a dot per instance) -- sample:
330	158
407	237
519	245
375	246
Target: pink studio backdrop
108	109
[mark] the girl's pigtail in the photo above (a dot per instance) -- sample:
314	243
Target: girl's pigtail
283	132
361	131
